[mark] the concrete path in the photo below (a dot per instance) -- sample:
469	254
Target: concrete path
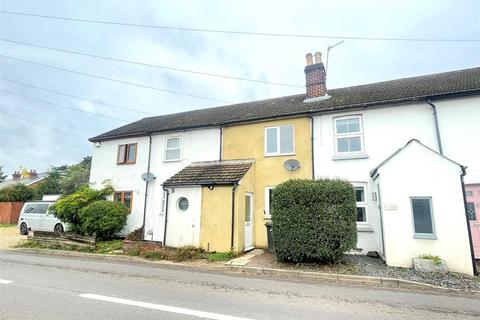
244	259
55	287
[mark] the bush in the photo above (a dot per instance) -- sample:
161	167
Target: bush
67	208
17	192
135	235
313	220
105	218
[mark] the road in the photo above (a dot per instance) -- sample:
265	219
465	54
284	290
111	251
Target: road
37	286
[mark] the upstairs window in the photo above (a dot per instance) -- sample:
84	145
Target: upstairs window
361	203
279	140
173	149
124	197
422	217
348	135
468	193
127	153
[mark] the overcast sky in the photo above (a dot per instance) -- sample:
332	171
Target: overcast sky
63	137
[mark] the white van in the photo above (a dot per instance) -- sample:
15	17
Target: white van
35	216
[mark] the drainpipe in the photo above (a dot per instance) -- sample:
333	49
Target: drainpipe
472	253
146	184
221	144
437	129
235	185
166	216
312	145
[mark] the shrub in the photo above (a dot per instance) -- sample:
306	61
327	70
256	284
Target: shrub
17	192
67	208
313	220
221	256
105	218
435	259
186	253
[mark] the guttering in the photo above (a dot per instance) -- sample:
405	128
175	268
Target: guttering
232	232
312	145
472	253
146	184
166	215
437	128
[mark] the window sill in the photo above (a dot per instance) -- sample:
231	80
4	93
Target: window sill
125	163
176	160
364	228
279	155
350	156
425	236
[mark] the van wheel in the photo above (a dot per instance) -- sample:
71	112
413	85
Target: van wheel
23	229
58	228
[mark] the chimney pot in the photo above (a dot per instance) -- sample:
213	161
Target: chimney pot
309	57
32	174
318	57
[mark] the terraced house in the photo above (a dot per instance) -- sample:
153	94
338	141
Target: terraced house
205	177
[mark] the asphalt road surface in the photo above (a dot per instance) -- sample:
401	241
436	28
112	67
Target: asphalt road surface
57	287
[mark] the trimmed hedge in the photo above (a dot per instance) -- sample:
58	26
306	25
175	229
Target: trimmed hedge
103	217
313	220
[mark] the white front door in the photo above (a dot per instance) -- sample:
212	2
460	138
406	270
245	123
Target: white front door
248	221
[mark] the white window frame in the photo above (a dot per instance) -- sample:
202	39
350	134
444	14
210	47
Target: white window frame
267	202
278	153
417	235
362	204
349	135
180	147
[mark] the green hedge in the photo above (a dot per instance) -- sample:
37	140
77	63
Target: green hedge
17	192
313	220
104	218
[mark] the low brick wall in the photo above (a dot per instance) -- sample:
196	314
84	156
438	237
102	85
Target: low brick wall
10	211
141	246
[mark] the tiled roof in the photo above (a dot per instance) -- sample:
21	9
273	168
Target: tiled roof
210	173
388	92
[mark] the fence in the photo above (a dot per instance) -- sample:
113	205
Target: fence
9	212
64	239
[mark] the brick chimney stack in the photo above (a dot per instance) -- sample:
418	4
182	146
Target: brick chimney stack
32	174
16	175
315	78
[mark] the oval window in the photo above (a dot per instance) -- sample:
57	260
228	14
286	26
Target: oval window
183	204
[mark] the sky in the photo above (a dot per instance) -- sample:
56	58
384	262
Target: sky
37	135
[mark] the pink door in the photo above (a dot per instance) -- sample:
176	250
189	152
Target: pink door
472	192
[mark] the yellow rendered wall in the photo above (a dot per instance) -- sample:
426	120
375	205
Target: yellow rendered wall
216	218
215	229
248	141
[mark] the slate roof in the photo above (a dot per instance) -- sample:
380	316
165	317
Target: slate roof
437	85
24	181
210	173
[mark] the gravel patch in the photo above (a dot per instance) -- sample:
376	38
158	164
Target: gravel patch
375	267
10	236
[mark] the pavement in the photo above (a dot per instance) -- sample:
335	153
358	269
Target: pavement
244	259
37	286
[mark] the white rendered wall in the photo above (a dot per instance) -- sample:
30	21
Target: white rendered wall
389	128
183	227
418	172
197	145
459	122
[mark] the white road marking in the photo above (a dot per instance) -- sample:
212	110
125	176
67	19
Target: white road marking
189	312
5	281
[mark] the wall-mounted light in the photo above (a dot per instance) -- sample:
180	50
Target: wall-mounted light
98	144
211	187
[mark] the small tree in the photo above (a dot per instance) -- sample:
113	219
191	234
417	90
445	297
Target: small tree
105	218
313	220
3	176
67	208
17	192
75	176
